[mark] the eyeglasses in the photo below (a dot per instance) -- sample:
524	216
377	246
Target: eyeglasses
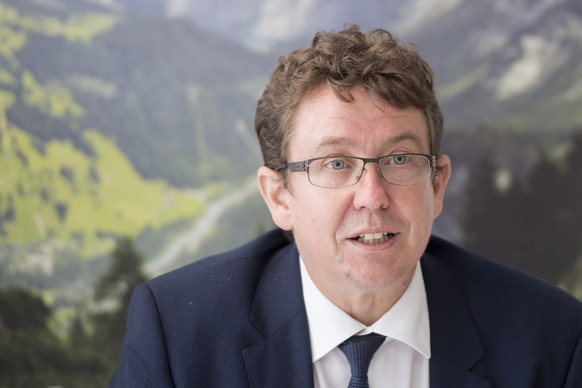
335	172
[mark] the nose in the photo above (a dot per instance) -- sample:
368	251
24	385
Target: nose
370	191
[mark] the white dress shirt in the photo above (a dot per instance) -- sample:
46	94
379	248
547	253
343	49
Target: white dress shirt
402	360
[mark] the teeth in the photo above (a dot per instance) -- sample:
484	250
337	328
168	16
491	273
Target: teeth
374	238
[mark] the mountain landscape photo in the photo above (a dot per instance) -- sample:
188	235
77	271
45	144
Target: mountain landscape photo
127	147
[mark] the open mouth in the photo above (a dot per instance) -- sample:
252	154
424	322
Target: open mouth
374	238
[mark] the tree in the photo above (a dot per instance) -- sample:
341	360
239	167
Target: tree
124	274
484	204
535	225
33	356
21	310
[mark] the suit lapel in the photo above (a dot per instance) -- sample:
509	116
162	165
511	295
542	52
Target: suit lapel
283	358
455	343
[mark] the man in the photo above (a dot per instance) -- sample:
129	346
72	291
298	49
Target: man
350	133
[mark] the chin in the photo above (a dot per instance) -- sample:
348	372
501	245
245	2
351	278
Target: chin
373	278
384	274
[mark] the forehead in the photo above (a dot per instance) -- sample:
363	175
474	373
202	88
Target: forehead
366	125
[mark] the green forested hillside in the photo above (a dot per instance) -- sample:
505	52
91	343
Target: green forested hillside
55	191
59	180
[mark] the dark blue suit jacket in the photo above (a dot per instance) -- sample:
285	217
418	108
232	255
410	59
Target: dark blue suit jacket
238	320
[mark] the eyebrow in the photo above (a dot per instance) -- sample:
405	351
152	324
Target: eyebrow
405	136
334	142
349	143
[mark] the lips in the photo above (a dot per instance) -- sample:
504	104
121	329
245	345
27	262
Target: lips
374	238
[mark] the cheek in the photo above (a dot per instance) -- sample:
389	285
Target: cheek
305	212
316	207
420	208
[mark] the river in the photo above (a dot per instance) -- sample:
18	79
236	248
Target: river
190	240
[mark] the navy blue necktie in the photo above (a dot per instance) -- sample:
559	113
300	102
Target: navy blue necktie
359	351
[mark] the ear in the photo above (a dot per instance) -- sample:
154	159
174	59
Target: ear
276	196
441	179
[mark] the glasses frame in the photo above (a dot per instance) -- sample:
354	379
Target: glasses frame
304	166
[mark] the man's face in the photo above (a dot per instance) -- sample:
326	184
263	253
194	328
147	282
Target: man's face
327	223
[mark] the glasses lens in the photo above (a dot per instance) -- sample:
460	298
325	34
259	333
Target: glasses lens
335	172
405	170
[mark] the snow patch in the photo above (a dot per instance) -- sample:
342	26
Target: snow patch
283	19
540	58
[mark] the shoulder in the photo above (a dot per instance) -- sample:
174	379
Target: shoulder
172	316
484	279
510	320
214	293
241	264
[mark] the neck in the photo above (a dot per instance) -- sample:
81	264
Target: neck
367	308
366	305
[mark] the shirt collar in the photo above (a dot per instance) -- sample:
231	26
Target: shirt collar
407	321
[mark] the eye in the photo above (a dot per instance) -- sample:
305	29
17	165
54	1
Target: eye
336	164
400	160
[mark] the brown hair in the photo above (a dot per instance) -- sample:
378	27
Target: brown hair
392	71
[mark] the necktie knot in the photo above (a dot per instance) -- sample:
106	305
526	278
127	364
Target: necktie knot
359	351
